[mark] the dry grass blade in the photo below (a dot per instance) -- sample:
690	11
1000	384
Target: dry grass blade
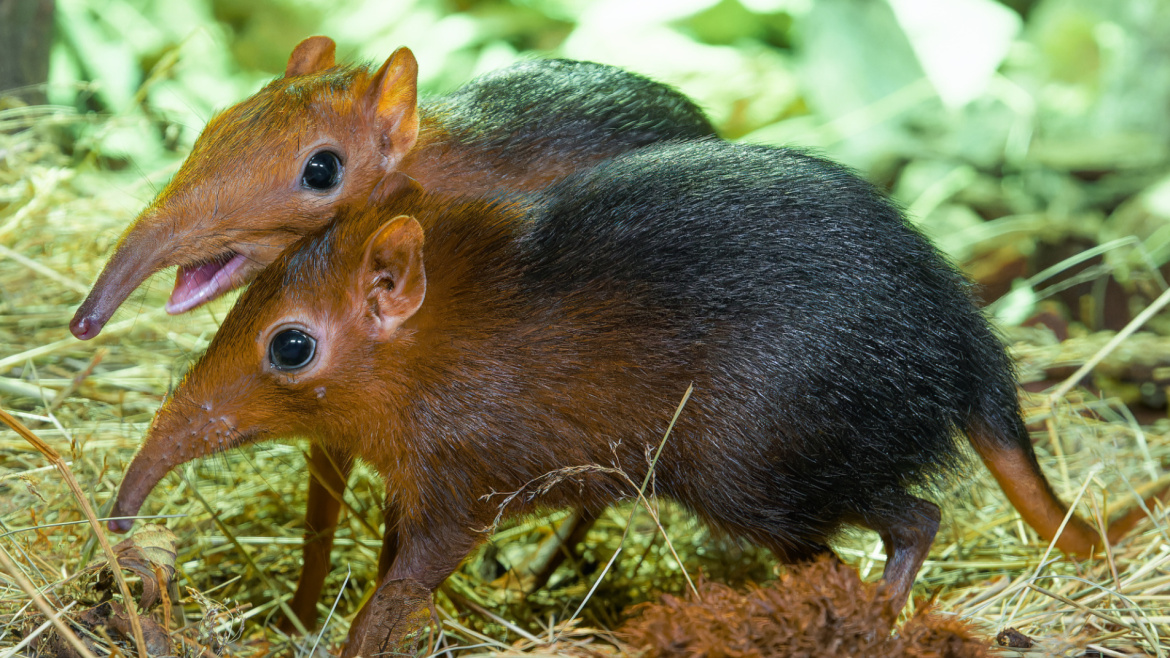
1135	324
329	617
339	496
281	602
1112	619
51	454
488	614
642	500
67	343
45	608
1044	561
43	270
32	637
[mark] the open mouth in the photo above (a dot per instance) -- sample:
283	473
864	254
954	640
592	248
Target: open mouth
203	283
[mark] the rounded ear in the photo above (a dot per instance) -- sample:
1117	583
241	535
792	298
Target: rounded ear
310	56
393	275
394	184
392	100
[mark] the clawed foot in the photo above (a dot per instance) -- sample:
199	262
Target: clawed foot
390	622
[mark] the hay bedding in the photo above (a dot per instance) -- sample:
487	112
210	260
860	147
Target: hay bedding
235	519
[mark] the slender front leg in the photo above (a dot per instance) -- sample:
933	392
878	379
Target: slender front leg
328	475
401	605
389	552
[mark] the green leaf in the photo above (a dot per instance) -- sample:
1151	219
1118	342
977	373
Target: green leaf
959	43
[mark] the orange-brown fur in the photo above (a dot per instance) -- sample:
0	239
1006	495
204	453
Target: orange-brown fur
426	351
238	191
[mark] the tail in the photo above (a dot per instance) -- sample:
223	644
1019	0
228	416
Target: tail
1012	462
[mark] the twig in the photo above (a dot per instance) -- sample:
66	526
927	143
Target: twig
642	498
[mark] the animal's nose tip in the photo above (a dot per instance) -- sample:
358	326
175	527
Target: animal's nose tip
81	326
120	526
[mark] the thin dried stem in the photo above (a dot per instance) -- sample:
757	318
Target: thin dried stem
45	608
53	457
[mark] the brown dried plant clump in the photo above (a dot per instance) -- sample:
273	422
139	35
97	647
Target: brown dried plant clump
821	609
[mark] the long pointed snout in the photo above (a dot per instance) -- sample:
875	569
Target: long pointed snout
141	252
146	470
174	439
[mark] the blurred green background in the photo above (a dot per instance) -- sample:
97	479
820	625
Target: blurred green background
1019	134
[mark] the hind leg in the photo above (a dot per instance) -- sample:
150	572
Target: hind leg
778	511
561	545
907	526
809	552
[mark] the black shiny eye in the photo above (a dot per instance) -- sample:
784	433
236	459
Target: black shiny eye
291	349
322	171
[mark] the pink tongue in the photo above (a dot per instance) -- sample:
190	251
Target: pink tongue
196	285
